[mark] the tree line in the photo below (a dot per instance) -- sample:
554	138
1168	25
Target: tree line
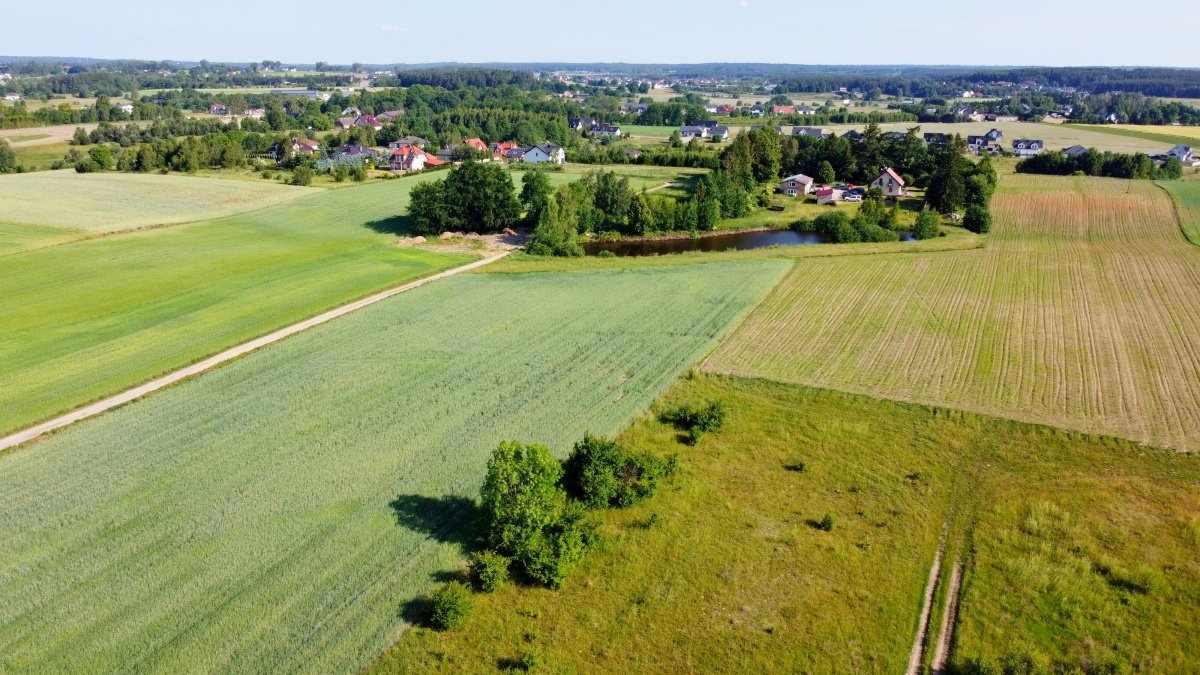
1094	162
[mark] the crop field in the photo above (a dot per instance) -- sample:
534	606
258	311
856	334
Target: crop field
110	202
90	318
277	513
1081	312
1187	203
1057	136
1165	136
723	565
641	176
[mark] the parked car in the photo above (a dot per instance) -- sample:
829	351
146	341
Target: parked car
840	186
852	197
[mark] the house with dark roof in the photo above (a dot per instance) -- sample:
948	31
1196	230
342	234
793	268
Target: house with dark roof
805	110
936	139
390	115
546	152
853	135
409	140
605	130
809	131
368	121
1182	153
353	153
719	133
687	133
343	123
218	109
1023	147
707	124
1074	151
581	123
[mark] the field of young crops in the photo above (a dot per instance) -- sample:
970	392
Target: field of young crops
1082	312
94	317
276	514
1187	201
108	202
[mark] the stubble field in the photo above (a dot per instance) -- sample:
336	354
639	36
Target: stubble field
1082	312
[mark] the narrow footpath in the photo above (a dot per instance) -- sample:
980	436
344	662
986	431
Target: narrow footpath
31	433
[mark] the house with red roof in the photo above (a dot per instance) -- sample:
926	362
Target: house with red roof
500	150
412	158
890	182
784	110
477	145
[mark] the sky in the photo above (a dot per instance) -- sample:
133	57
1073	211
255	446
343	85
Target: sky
959	32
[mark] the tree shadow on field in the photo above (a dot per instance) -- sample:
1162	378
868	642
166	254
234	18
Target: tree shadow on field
450	519
395	225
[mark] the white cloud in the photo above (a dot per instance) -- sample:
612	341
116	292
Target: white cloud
390	28
743	3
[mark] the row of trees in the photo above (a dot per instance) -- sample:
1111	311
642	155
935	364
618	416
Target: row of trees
1093	162
474	196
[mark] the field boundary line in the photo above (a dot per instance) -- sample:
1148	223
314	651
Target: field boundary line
31	433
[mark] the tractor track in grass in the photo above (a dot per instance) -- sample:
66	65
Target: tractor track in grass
921	642
941	652
36	431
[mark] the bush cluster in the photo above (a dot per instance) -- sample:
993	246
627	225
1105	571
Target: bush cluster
451	604
601	473
696	422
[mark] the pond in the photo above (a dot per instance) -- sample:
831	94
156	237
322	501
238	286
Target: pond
739	241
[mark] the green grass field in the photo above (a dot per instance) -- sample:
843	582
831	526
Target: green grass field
724	567
1168	135
1056	136
93	317
276	513
1187	205
1080	312
109	202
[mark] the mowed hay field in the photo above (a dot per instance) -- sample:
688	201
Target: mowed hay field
95	203
90	318
1083	550
1082	312
262	517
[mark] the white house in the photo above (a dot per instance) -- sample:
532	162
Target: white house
126	108
606	130
1182	153
1023	147
796	186
12	96
719	133
687	133
890	182
546	152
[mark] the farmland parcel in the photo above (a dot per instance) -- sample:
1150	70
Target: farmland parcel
1080	313
278	512
94	317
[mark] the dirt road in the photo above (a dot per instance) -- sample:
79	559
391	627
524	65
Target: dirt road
917	655
941	654
58	133
135	393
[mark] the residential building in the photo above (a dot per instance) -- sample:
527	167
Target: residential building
546	152
890	182
354	152
306	93
826	196
805	110
368	121
606	130
581	123
809	131
632	153
1182	153
1074	151
126	108
719	133
687	133
343	123
707	124
409	140
1023	147
783	110
351	111
500	150
515	154
412	158
477	145
796	186
853	135
218	109
256	113
757	110
390	115
936	139
634	108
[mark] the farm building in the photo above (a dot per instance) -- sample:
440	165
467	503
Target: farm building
890	182
796	186
826	196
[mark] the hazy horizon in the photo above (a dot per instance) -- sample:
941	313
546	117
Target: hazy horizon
922	33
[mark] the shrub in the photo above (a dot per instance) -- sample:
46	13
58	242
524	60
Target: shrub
601	473
697	421
978	219
302	175
606	254
489	570
928	225
826	523
451	605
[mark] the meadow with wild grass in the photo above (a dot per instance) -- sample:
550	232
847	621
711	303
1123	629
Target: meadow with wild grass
279	512
1080	551
1080	312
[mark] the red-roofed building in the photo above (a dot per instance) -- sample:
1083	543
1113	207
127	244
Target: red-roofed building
825	196
412	158
500	150
477	145
890	182
784	110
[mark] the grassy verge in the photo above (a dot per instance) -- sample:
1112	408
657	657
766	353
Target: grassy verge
1187	205
723	565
